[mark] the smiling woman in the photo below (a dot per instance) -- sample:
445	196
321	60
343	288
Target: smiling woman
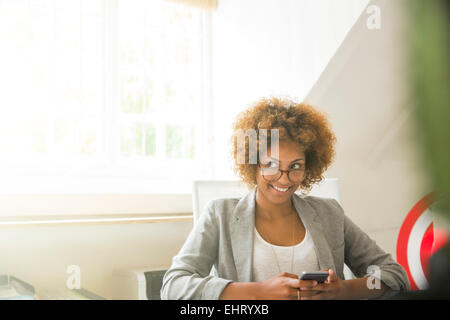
298	123
256	246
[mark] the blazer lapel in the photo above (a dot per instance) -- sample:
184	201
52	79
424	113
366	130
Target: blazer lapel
311	221
242	225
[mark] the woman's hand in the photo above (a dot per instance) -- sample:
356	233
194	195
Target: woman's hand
285	286
332	288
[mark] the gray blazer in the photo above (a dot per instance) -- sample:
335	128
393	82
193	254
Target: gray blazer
219	248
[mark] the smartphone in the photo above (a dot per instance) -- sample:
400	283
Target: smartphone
319	276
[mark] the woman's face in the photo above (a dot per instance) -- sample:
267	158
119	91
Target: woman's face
291	156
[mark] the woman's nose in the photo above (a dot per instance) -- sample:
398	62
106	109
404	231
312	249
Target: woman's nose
284	179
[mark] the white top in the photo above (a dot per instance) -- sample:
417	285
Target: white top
265	264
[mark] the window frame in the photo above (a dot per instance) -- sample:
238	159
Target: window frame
26	197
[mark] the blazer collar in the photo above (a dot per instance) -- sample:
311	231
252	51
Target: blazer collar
242	233
242	225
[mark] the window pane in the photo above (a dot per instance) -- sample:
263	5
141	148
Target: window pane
137	139
150	141
174	142
104	81
179	142
53	52
159	76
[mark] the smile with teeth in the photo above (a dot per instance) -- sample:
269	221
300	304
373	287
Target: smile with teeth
280	189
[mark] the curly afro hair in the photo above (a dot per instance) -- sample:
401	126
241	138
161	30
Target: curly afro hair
298	122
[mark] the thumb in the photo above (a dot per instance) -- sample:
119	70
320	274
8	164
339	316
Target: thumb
289	275
326	269
332	276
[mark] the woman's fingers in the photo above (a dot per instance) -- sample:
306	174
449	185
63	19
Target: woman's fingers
303	289
307	284
332	276
289	275
294	282
321	287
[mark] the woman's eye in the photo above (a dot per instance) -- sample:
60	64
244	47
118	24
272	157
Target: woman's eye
297	166
272	164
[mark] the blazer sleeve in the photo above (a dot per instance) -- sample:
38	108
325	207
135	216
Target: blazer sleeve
189	275
365	258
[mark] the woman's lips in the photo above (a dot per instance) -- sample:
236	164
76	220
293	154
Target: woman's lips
279	190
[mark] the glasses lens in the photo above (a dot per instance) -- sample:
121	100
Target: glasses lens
270	173
295	175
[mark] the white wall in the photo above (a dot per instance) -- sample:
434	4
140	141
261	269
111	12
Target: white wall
40	255
270	47
363	90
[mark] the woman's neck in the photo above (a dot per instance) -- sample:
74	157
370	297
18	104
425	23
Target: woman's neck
270	211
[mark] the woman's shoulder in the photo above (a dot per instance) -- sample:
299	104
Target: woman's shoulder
221	209
329	214
322	204
318	200
224	203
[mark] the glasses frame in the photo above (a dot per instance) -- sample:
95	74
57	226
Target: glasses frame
281	174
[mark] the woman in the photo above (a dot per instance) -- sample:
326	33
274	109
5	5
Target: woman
257	246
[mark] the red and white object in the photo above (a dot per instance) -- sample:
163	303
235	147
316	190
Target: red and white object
417	241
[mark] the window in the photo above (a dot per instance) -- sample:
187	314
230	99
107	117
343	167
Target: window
98	92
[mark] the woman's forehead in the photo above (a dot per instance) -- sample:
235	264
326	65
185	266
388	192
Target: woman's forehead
286	150
285	157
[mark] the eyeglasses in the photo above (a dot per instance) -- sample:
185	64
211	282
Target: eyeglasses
271	172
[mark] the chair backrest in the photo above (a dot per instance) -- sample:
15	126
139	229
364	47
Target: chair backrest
205	190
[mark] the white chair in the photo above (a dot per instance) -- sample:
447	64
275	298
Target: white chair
205	190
